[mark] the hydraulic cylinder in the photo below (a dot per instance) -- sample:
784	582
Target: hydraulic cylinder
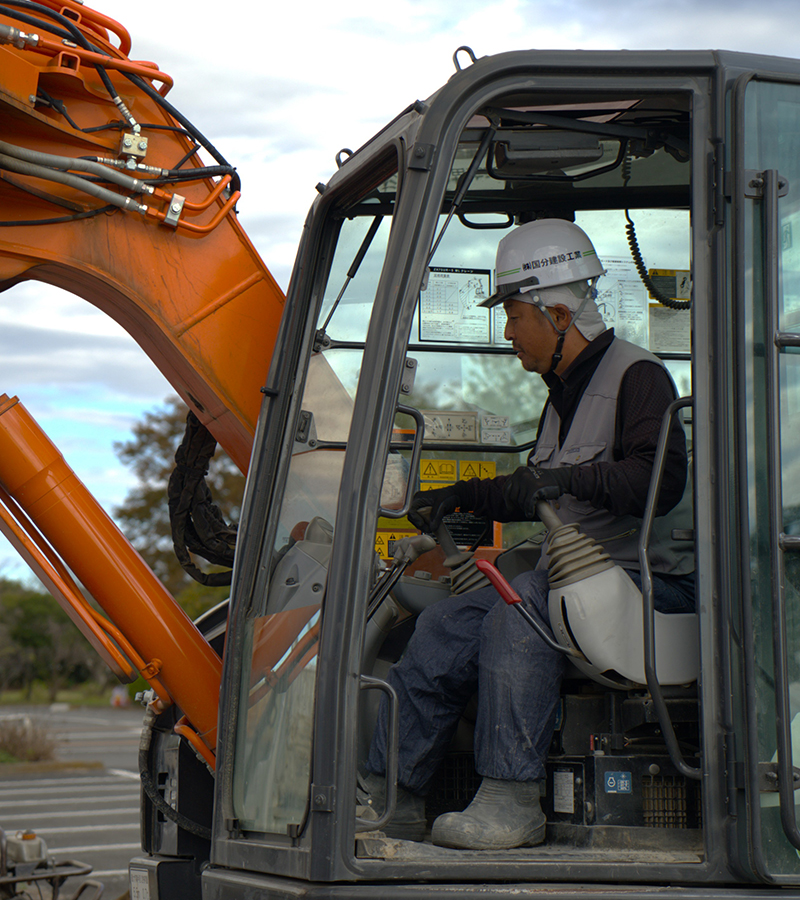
35	474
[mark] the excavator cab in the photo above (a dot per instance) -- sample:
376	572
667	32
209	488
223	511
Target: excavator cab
388	376
672	769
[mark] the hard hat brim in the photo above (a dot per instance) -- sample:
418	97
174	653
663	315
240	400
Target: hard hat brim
507	291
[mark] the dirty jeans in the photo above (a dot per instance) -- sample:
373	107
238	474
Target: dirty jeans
475	642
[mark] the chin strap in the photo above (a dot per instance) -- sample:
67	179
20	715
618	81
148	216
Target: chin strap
591	294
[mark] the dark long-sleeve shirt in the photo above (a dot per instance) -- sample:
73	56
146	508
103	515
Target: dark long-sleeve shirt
619	486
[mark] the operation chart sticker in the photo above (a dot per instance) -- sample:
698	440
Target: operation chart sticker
448	306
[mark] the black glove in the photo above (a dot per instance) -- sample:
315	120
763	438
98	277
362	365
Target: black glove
529	484
442	502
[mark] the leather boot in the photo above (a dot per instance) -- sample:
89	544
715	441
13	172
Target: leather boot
408	822
502	815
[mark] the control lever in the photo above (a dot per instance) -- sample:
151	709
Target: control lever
464	575
549	518
512	598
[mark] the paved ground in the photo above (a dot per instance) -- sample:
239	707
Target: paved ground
86	807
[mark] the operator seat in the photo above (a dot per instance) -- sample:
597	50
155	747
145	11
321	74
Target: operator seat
607	627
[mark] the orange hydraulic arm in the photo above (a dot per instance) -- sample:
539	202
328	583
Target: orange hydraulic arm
174	654
103	193
166	258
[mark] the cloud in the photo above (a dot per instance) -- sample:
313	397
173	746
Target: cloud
45	356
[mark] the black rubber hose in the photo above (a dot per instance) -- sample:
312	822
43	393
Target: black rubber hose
193	174
179	117
58	220
72	33
75	34
151	789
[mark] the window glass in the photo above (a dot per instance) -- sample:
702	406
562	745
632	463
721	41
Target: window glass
272	769
468	382
772	141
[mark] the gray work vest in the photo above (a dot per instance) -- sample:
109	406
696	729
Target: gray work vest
590	439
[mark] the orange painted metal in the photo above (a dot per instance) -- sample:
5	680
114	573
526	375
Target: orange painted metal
174	652
99	23
197	297
27	541
109	642
54	48
188	286
185	730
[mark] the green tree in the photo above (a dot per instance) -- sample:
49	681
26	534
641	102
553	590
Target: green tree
38	642
144	516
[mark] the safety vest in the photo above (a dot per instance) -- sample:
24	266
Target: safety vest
590	440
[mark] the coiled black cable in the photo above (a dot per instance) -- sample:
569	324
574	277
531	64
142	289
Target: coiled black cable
660	296
636	253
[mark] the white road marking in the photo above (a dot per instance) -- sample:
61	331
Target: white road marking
108	798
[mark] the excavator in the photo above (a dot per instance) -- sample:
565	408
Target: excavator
676	756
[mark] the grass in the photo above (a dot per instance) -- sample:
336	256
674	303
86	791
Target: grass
87	694
22	740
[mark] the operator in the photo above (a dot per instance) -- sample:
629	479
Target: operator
593	458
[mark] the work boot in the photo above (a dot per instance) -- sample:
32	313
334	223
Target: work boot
408	822
503	814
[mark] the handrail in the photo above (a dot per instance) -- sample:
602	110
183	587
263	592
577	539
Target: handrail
392	754
416	454
648	601
777	540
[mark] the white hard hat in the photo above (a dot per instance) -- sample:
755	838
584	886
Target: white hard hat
544	253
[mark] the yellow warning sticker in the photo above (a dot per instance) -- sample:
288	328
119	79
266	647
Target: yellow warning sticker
674	283
438	470
477	469
385	524
385	540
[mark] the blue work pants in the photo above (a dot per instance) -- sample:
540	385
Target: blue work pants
475	642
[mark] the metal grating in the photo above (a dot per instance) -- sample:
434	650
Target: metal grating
665	801
455	785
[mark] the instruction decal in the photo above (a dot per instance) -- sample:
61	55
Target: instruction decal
448	306
618	783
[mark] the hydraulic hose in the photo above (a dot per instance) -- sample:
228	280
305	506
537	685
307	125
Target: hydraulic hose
196	175
151	789
38	23
67	163
73	33
74	181
193	131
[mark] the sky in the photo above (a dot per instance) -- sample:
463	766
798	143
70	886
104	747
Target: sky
280	89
